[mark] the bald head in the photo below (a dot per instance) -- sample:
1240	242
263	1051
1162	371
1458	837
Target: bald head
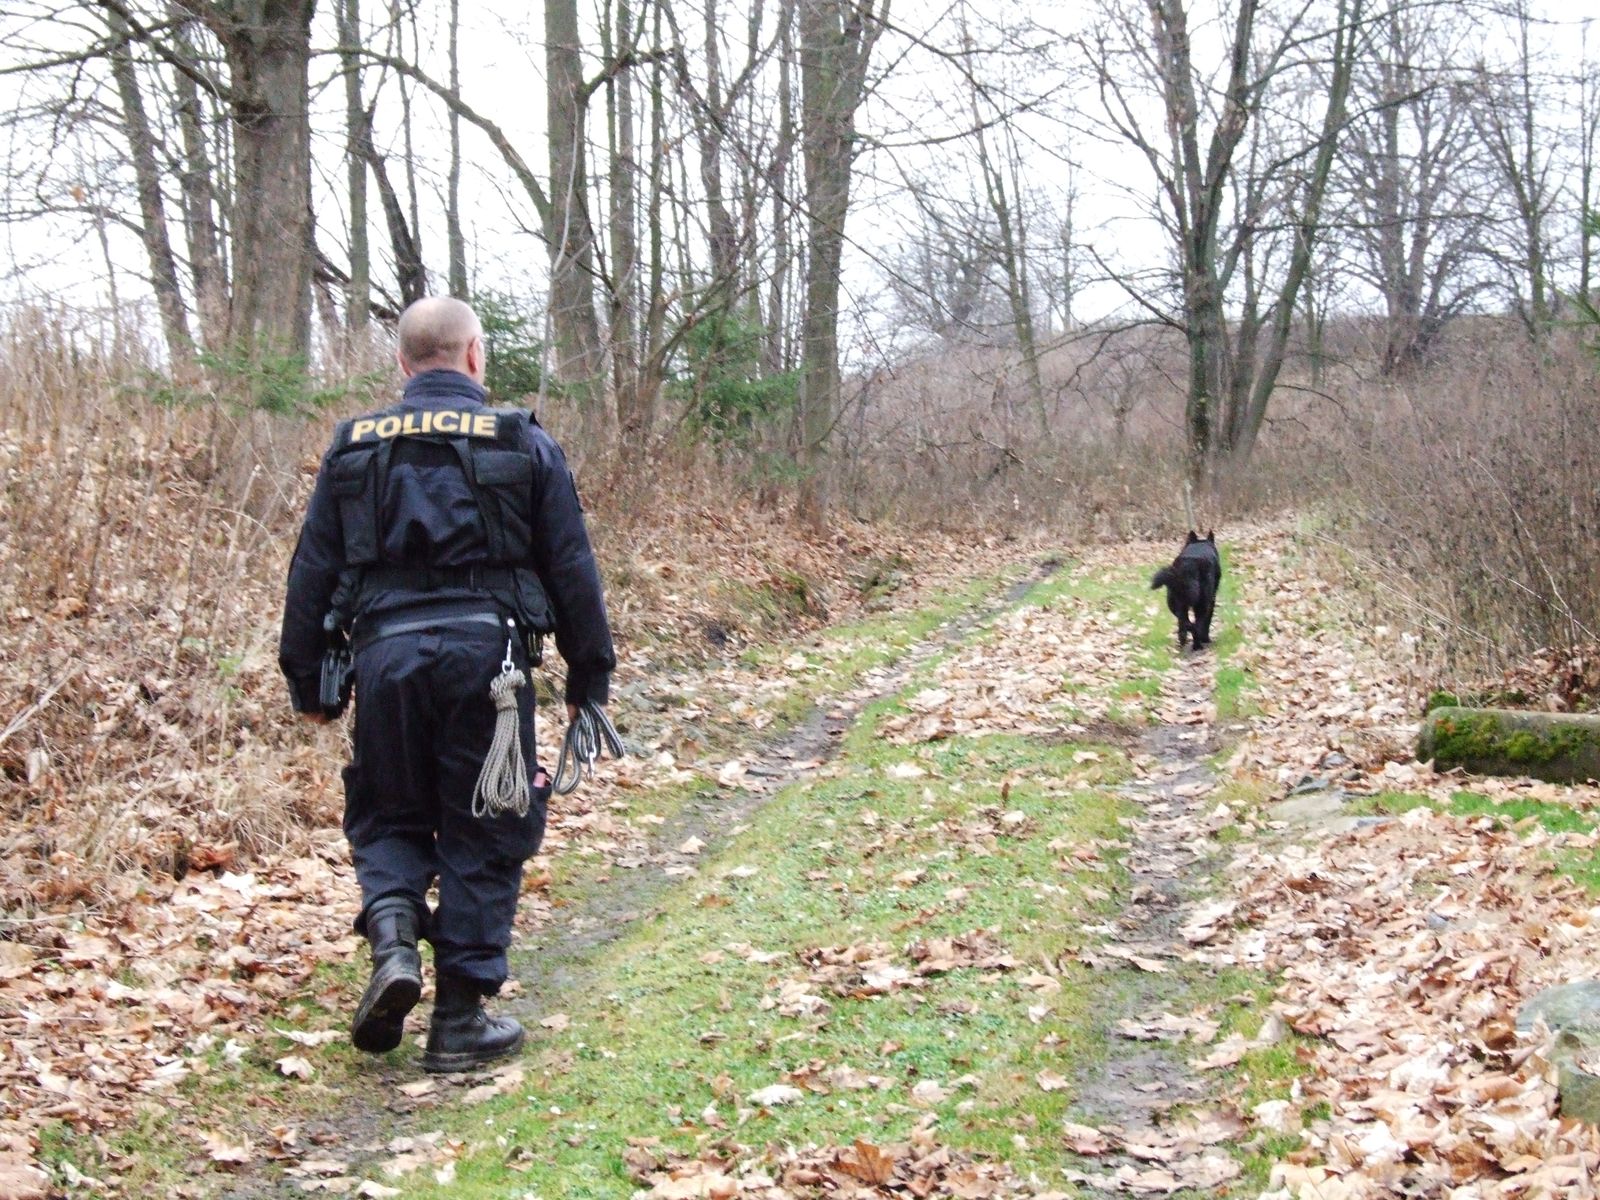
440	331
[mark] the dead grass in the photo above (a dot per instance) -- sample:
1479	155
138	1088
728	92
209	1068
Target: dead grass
144	727
143	722
1470	509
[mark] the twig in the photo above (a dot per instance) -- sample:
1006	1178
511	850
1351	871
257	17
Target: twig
21	719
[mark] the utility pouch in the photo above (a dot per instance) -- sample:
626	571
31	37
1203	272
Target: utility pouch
338	669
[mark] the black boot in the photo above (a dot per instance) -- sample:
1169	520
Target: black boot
396	983
461	1035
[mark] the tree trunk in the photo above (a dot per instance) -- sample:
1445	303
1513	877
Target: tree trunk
836	39
267	44
778	173
411	274
152	209
197	182
722	238
358	293
569	234
455	239
635	402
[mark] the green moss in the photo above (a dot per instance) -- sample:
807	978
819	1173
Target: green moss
1467	736
1442	699
1458	738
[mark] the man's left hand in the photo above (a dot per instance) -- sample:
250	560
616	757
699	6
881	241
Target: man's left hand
316	718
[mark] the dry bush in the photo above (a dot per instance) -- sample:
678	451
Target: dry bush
144	726
956	439
1474	499
144	717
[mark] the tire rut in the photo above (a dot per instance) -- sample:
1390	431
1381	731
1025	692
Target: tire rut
1132	1089
556	961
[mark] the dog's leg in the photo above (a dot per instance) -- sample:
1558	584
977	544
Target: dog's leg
1202	613
1177	608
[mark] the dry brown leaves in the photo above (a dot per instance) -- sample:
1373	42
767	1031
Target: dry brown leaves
1042	669
919	1167
1407	947
217	960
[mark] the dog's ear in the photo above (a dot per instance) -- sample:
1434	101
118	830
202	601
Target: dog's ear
1193	538
1211	536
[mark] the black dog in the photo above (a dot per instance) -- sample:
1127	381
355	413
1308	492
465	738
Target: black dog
1191	582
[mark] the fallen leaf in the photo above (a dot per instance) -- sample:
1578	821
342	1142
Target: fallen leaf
296	1067
774	1095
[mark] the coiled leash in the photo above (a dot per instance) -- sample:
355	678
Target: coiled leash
590	734
503	783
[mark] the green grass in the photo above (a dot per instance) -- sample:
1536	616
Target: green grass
866	857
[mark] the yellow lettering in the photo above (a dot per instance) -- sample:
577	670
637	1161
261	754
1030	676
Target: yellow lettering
427	421
447	422
361	428
409	425
388	427
483	425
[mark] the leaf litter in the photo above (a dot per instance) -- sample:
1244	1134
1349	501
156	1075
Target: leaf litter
1406	947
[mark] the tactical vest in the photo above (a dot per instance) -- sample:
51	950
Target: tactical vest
491	447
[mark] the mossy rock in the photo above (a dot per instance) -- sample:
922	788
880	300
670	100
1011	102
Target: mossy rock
1559	747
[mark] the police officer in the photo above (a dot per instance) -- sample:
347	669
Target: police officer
445	537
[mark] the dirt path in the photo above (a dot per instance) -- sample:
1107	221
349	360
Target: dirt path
1140	1081
1012	913
553	956
551	961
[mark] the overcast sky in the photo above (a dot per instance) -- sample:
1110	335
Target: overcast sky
62	257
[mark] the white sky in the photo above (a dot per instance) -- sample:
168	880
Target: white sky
502	71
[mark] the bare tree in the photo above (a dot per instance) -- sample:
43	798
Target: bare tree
1410	178
152	207
1506	116
836	41
1228	197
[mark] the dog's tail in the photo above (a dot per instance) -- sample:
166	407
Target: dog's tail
1164	578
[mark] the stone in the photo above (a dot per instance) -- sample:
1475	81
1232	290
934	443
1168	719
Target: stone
1578	1087
1571	1007
1557	747
1309	784
1572	1011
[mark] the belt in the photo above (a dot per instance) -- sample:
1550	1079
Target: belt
431	579
366	635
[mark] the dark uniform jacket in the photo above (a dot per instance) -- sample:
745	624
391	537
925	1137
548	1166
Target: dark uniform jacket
429	519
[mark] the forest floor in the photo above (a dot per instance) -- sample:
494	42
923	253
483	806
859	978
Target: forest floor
990	893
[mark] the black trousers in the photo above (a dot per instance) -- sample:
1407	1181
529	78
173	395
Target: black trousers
423	725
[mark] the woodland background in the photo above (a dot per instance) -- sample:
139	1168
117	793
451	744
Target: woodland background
789	278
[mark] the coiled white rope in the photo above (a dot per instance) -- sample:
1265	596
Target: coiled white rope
503	783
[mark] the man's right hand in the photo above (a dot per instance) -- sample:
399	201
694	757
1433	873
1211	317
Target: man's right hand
316	718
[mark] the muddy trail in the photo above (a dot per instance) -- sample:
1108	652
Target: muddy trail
1146	1075
1141	1080
551	961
